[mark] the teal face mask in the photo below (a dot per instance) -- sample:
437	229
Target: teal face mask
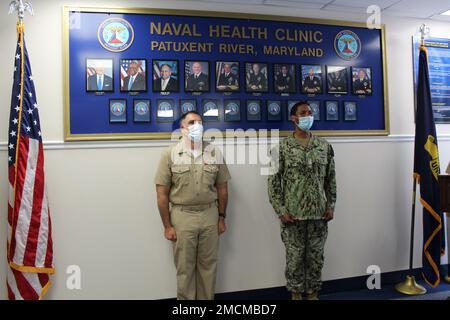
305	123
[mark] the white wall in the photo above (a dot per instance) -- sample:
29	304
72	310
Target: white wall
102	196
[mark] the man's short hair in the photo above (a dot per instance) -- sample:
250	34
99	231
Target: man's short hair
165	64
185	115
297	105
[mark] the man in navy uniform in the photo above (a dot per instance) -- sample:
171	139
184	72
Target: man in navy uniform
192	194
197	80
227	80
312	83
256	80
362	84
337	82
284	81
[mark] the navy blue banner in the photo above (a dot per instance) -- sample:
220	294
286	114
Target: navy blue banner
157	57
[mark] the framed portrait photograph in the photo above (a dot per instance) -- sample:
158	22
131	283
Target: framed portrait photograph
350	111
141	110
362	81
210	109
290	104
274	110
196	76
99	75
165	110
332	110
232	109
253	110
118	111
227	76
311	79
337	82
187	105
165	76
256	77
315	106
284	80
133	75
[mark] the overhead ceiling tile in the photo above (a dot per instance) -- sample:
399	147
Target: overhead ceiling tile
407	14
440	17
323	2
250	2
364	3
332	7
294	4
418	8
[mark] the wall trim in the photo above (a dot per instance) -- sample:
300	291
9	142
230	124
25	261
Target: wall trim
61	145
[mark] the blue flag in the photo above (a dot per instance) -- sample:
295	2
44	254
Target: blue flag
426	171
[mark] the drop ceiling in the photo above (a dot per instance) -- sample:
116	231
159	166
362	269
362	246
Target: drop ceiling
430	9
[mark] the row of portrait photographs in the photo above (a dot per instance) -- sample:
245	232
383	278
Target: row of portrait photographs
211	110
166	77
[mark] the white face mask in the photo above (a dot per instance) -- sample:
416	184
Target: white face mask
195	132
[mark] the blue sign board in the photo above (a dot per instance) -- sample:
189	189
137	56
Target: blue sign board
238	71
439	71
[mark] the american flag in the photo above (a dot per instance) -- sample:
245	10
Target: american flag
156	71
29	245
90	71
219	71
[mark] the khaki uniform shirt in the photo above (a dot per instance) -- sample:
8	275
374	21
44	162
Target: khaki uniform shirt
305	184
192	178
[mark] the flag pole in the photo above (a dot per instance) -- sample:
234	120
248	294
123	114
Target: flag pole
409	286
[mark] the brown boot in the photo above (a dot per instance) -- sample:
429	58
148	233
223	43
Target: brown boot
312	296
296	296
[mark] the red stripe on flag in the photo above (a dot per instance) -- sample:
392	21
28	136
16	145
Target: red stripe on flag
44	278
11	174
11	295
35	221
26	290
49	254
20	180
10	215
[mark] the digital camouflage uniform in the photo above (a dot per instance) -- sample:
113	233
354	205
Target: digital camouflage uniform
304	186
